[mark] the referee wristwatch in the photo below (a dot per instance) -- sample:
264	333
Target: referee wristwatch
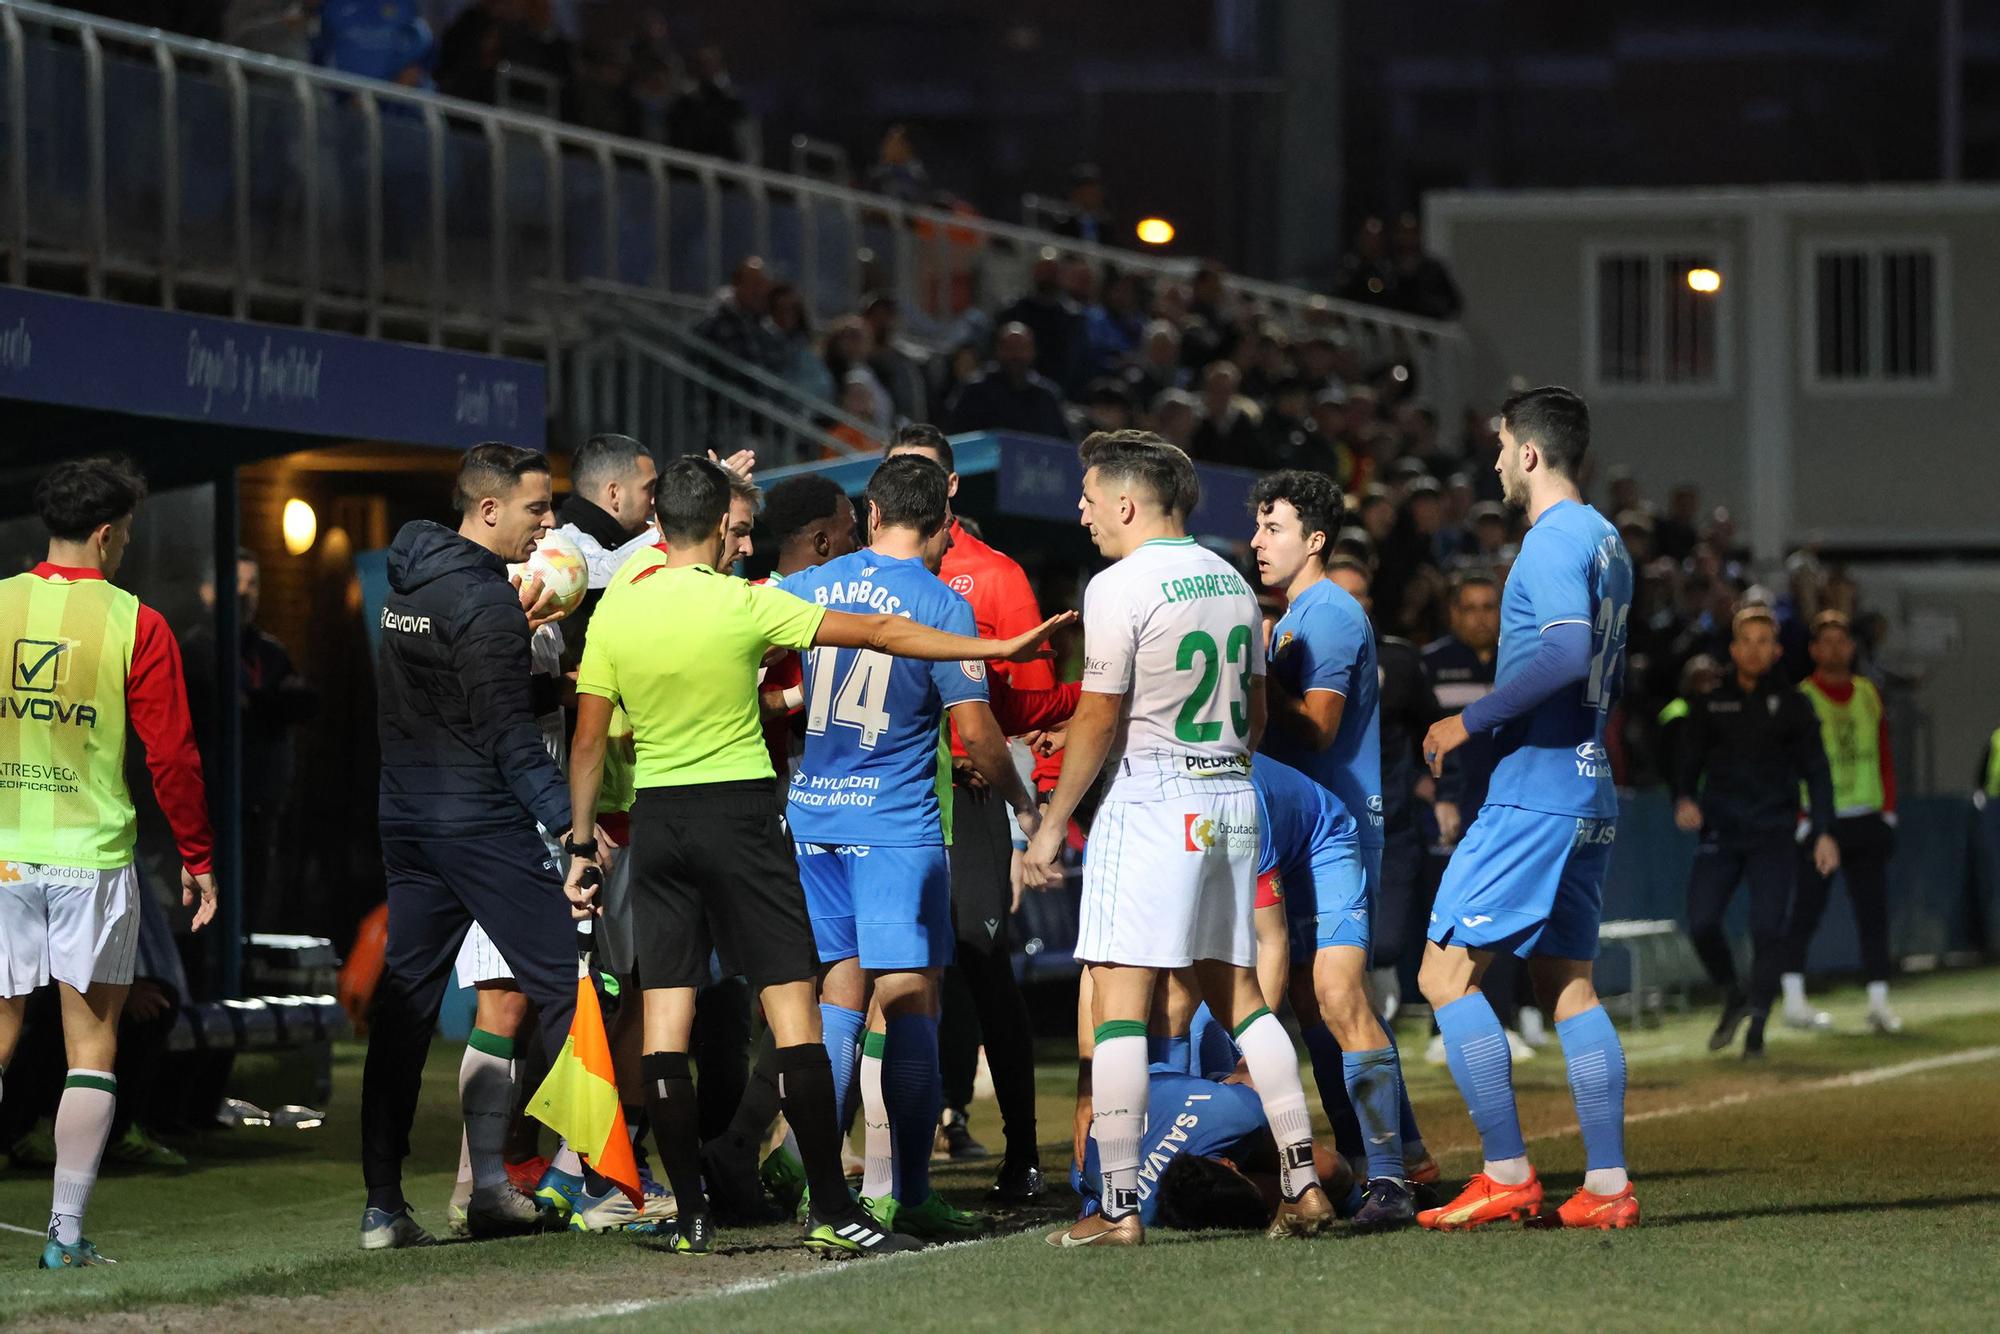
587	848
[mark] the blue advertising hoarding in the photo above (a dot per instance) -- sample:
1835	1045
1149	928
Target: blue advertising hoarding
158	363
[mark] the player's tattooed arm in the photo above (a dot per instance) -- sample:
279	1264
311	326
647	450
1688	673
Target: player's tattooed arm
905	638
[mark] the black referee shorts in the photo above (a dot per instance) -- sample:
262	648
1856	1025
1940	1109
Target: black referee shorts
713	869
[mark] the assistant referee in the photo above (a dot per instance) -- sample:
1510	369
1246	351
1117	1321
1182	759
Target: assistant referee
678	646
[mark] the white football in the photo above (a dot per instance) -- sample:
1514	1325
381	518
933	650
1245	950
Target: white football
560	565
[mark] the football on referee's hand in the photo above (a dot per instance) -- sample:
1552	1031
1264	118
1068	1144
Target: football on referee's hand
560	565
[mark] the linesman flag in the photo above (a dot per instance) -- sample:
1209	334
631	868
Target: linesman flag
579	1099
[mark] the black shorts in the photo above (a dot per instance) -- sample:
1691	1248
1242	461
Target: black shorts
712	868
982	890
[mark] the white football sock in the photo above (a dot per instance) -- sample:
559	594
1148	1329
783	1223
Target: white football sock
567	1161
1878	997
83	1124
1795	990
486	1099
878	1178
461	1188
1274	1070
1119	1081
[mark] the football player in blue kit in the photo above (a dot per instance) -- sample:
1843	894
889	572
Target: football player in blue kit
1529	877
1326	723
867	826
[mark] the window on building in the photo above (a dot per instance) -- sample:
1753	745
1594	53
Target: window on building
1876	314
1657	318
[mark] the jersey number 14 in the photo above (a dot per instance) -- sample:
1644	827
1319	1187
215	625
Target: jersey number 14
859	701
1198	653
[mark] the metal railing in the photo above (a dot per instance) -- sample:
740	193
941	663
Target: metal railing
156	168
645	373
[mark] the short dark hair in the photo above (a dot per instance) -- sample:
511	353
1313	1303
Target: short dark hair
245	556
911	491
1162	469
77	498
1465	579
601	459
1314	495
693	497
923	435
493	469
1556	419
1199	1194
797	503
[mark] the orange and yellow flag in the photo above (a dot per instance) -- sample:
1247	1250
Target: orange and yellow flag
579	1099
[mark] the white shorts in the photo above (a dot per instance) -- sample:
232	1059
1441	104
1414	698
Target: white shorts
74	924
478	957
1171	881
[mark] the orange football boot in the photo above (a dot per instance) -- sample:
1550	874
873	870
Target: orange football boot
1423	1171
1584	1209
1484	1201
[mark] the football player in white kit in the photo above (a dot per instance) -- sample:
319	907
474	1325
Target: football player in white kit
1173	704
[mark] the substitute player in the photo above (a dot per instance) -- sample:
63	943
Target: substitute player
85	658
1326	723
712	864
1529	876
870	837
1173	703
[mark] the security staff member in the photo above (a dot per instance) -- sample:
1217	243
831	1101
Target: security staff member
1855	732
712	863
465	780
1747	747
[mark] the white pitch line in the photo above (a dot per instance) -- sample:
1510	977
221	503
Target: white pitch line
24	1231
638	1305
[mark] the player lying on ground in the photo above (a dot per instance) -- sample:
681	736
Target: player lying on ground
1529	876
1173	702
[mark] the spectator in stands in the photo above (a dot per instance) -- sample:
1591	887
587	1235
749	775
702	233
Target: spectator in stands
1176	414
857	399
709	116
738	327
1210	323
1635	526
375	39
602	97
1010	395
1289	438
1230	430
898	171
1087	219
800	361
1421	284
899	368
1365	273
469	54
1675	533
1108	405
1113	328
1056	321
956	369
1158	367
1377	514
1266	358
1490	529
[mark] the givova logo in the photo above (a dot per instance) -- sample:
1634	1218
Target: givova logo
1204	832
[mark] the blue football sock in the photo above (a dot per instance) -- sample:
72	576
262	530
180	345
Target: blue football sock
1475	1047
1330	1076
1172	1052
840	1029
1373	1079
1597	1083
1413	1139
913	1090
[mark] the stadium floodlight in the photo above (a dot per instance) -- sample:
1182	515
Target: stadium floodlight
300	526
1155	231
1706	281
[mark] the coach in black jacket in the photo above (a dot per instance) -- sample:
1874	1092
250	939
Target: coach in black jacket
1747	747
465	780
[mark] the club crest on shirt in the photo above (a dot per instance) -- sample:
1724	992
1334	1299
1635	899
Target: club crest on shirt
975	670
960	584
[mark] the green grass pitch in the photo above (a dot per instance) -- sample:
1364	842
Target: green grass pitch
1850	1181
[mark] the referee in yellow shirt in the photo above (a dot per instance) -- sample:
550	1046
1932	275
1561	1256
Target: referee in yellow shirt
678	646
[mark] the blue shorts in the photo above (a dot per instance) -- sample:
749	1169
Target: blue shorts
1526	881
889	907
1330	899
